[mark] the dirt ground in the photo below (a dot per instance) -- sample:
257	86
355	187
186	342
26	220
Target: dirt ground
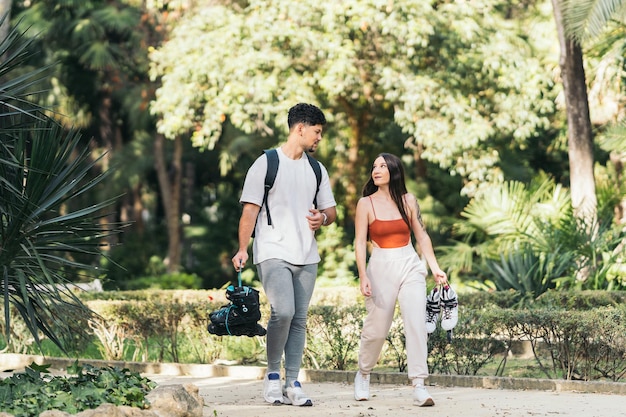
239	397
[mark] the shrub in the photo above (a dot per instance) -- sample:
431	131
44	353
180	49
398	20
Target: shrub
85	387
333	334
471	345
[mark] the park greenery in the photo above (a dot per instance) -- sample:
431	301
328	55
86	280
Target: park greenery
572	335
84	388
127	127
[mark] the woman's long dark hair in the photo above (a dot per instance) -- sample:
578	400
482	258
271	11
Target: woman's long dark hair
397	185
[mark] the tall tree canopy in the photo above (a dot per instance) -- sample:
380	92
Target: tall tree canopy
454	76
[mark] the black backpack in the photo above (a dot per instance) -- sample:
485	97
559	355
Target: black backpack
270	177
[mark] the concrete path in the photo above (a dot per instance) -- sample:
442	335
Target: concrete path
236	391
241	397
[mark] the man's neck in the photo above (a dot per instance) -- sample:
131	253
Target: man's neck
292	150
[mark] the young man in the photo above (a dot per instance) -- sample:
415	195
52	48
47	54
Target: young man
285	251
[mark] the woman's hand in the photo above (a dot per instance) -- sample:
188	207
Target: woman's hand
440	277
366	286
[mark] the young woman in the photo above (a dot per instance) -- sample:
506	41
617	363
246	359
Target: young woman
387	214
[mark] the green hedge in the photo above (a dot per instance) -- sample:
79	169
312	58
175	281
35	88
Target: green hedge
557	299
568	336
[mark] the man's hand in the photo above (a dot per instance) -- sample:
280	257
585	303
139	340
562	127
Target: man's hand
239	260
316	219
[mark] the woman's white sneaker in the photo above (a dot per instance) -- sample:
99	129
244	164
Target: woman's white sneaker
421	397
361	387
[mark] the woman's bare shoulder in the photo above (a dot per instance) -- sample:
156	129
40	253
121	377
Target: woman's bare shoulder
363	200
409	198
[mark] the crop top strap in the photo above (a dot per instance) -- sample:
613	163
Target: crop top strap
372	203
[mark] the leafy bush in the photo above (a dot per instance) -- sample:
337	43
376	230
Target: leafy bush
568	344
581	300
528	272
472	345
395	348
479	300
333	334
174	281
528	238
35	390
569	337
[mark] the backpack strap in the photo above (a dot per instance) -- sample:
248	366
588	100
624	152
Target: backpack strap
272	171
270	177
318	175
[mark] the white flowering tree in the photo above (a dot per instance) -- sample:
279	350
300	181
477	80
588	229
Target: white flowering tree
455	78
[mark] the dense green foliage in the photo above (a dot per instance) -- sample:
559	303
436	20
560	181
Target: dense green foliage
48	234
464	92
35	390
526	238
467	93
457	85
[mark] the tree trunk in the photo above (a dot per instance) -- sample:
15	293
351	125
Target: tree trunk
111	140
349	170
420	165
579	134
170	186
619	161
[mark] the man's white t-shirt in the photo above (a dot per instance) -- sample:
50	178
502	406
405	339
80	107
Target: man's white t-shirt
289	237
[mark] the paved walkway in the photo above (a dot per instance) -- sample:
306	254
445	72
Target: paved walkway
240	397
236	391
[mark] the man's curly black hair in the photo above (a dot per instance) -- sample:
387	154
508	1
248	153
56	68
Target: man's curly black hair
305	113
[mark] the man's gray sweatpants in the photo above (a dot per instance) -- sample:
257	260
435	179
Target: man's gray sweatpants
288	289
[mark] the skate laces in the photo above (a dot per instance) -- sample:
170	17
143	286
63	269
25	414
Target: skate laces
433	304
449	302
433	308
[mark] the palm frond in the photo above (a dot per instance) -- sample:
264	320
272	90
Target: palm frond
44	232
44	168
118	20
615	138
585	19
502	209
15	89
98	56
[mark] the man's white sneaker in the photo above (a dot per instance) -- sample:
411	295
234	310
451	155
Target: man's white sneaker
432	309
272	391
449	308
361	387
293	395
421	397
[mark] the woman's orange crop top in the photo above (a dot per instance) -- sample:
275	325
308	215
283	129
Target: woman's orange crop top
389	233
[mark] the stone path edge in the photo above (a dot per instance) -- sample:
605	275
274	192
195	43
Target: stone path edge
12	362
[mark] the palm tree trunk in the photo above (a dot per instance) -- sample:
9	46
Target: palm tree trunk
579	134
